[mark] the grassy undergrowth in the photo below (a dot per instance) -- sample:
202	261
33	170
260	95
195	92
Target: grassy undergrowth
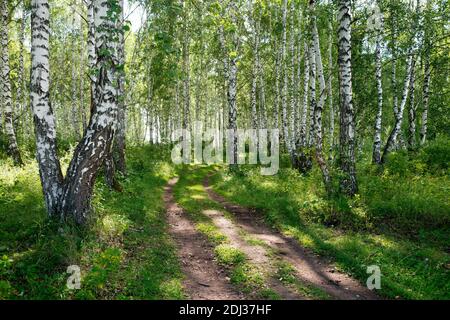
190	194
400	220
124	252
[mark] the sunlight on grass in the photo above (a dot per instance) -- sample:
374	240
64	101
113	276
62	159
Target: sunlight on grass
124	253
398	224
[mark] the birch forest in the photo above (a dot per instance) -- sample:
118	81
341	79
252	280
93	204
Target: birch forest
224	150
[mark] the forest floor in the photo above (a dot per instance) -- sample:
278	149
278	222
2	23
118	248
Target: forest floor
202	232
258	260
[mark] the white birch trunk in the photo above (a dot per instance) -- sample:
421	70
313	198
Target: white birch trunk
347	113
13	148
44	119
390	145
330	87
284	88
412	109
304	113
376	154
425	99
186	69
312	93
96	143
319	106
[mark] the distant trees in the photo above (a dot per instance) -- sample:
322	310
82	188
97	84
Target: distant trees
233	64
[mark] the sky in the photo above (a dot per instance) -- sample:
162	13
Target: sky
134	14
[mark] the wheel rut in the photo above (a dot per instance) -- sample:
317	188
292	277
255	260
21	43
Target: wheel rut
204	278
309	268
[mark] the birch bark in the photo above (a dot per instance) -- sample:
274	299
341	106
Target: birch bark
13	148
347	114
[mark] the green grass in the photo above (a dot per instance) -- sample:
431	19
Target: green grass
398	221
228	255
124	253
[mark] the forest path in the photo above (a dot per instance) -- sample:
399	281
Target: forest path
205	280
309	269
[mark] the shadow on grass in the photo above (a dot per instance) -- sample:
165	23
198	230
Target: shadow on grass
410	269
123	253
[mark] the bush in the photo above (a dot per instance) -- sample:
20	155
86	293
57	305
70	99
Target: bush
436	155
397	163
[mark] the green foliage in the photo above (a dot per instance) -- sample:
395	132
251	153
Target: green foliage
436	155
124	249
400	220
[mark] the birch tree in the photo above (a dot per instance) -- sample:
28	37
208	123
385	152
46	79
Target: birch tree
330	87
412	109
425	98
13	148
21	105
304	112
255	71
376	154
75	58
410	66
347	114
120	139
186	69
284	87
232	90
70	196
390	144
318	146
312	92
293	83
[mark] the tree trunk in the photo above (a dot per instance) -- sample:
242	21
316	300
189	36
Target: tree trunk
186	68
319	107
120	140
409	80
330	87
44	120
73	61
82	75
390	145
284	88
304	113
232	107
347	115
253	93
71	196
20	94
92	55
96	143
292	92
312	93
376	154
412	110
13	148
276	107
298	88
425	98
